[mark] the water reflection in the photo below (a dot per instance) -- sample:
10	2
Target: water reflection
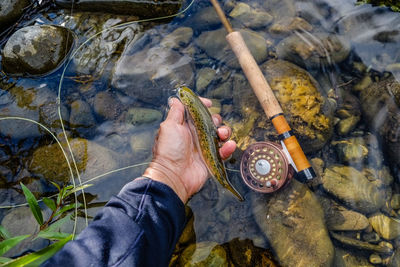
335	84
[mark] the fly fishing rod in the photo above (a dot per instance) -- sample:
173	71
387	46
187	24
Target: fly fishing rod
266	97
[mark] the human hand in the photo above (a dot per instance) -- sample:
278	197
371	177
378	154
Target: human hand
176	160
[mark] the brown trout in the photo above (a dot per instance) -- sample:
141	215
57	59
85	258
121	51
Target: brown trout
207	138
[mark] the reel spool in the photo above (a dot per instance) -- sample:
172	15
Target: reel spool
265	168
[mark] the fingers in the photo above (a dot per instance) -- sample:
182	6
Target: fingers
217	119
224	132
207	102
227	149
176	111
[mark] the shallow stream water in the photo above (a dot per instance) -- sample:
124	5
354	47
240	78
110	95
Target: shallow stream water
112	93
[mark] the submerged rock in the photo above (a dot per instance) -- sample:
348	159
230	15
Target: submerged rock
216	46
81	115
106	105
36	50
353	188
313	49
138	116
346	259
387	227
141	8
355	243
91	159
151	74
293	222
299	94
381	108
204	254
11	11
250	17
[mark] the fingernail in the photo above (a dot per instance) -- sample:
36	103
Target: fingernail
224	131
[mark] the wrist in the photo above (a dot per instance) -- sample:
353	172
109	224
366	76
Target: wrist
158	172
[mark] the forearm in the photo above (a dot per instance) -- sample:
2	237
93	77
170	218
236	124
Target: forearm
139	227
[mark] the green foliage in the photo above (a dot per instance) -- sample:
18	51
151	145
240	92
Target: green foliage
49	229
33	204
37	258
4	233
7	244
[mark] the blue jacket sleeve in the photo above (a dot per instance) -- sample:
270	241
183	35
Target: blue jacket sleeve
138	227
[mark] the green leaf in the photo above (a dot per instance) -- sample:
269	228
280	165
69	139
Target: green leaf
4	233
37	258
4	260
53	229
56	185
50	203
52	235
65	208
33	204
7	244
77	189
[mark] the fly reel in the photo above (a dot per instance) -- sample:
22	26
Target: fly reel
265	167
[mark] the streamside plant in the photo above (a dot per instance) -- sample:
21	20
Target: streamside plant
49	228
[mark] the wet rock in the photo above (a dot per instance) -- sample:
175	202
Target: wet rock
81	115
395	201
224	91
396	259
178	38
11	11
346	259
353	188
381	108
352	150
280	9
36	50
152	73
339	218
250	17
346	125
204	77
313	49
308	113
106	105
20	221
204	254
143	117
141	8
205	18
284	27
293	222
355	243
216	46
49	116
141	144
92	159
387	227
28	102
244	253
375	259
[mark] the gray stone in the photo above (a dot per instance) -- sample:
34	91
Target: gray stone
204	77
293	222
381	108
151	74
11	11
137	116
205	18
355	243
284	27
250	17
141	8
81	115
141	144
353	188
180	37
313	50
36	50
216	46
106	105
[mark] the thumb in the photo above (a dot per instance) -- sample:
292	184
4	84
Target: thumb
176	111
